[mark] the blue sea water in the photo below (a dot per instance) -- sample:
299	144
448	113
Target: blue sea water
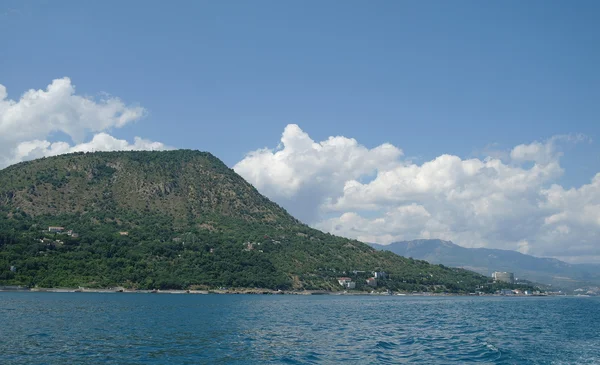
86	328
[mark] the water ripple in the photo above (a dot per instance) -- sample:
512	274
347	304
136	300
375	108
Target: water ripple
63	328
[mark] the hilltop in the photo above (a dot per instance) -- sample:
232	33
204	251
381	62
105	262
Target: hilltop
486	260
177	220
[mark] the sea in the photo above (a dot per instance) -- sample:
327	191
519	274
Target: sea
123	328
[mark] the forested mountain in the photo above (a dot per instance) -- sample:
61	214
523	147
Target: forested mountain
486	261
176	219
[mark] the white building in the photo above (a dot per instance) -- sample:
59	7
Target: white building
347	283
379	275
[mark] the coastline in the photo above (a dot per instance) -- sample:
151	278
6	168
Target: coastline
253	291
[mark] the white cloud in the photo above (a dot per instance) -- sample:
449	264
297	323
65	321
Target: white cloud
536	151
304	172
27	123
544	152
572	219
489	202
523	246
402	222
100	142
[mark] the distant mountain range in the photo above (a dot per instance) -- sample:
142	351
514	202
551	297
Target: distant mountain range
486	260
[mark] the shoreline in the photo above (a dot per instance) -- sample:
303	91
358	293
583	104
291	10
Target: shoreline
119	290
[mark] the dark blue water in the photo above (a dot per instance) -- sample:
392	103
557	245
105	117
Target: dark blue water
83	328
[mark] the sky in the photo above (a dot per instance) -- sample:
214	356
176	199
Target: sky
476	122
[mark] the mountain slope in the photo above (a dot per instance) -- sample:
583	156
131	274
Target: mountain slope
176	219
486	261
184	185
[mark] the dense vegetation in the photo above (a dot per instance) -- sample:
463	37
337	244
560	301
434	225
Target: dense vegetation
178	219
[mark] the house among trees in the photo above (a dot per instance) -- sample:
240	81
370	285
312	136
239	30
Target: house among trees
379	275
347	283
372	282
56	229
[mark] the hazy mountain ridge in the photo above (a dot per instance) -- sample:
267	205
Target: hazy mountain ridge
486	261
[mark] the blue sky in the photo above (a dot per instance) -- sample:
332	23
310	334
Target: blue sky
465	78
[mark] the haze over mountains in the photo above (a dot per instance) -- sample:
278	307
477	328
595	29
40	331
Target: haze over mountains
485	261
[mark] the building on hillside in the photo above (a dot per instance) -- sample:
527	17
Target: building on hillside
344	280
372	282
379	275
506	292
347	283
13	269
124	233
56	229
507	277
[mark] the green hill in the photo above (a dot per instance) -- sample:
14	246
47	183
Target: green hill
176	219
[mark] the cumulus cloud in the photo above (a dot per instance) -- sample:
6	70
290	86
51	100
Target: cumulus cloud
544	152
375	195
100	142
27	123
402	222
304	172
